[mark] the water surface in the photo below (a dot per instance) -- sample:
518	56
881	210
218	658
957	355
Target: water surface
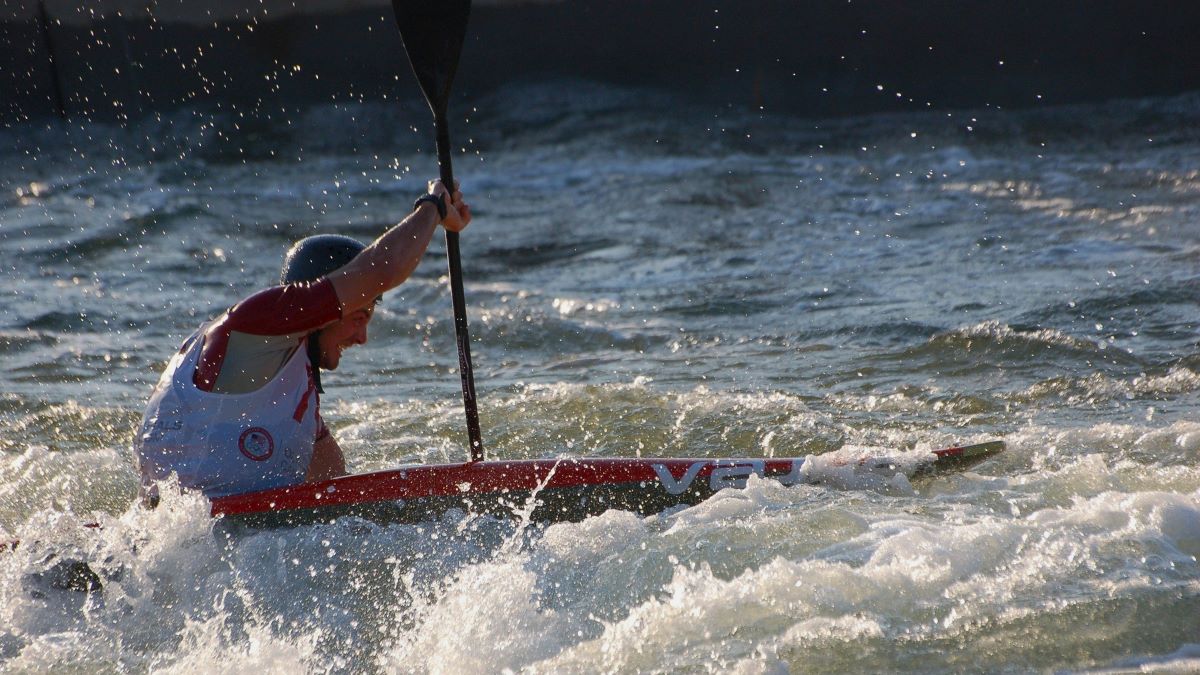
711	282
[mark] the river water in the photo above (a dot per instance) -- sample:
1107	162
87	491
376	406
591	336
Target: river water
710	281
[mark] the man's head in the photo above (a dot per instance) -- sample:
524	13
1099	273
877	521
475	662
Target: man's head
310	259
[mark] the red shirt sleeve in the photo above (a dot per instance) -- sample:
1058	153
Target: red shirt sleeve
283	310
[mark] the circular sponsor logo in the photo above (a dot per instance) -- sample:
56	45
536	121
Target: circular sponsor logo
257	444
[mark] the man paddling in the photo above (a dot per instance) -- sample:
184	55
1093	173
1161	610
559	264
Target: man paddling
237	408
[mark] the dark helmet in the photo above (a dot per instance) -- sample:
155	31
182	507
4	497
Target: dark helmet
314	257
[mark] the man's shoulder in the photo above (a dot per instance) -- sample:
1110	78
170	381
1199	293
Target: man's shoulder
285	310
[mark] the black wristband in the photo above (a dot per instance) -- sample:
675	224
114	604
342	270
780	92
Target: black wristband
438	201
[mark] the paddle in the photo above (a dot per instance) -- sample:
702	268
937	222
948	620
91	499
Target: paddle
433	33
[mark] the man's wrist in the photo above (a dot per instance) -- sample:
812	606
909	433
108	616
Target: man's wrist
438	201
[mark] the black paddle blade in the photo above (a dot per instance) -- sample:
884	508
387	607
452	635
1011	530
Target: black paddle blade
433	32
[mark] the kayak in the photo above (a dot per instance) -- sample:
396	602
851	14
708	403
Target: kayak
556	490
540	490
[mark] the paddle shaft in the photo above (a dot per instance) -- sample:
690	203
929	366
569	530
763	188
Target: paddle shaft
457	296
433	33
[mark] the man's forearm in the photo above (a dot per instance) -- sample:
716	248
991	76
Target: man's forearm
387	262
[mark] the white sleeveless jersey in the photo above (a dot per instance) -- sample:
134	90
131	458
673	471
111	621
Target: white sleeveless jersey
225	444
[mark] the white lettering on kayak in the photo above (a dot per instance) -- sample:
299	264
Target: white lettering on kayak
726	473
677	487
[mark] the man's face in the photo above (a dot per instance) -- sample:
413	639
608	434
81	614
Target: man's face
337	337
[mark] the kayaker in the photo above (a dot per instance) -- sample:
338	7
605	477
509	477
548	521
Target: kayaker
238	408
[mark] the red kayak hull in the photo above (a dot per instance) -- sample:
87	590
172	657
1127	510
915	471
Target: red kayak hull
547	489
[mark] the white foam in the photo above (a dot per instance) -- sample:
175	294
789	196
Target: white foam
487	621
594	538
867	468
211	646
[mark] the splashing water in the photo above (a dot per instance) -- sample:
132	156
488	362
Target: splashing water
706	283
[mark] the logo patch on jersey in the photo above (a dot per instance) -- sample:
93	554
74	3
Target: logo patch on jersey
257	444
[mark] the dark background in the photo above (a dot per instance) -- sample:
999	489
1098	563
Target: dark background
809	58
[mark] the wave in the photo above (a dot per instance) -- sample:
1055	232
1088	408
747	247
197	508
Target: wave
1185	659
680	595
1099	387
1154	451
13	342
914	400
993	346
